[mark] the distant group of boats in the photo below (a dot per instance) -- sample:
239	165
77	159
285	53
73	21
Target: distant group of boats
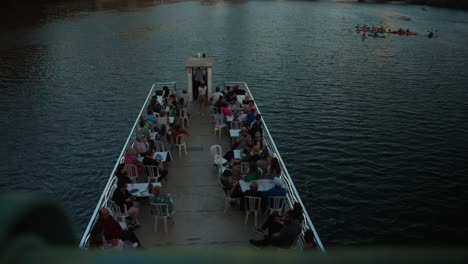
377	32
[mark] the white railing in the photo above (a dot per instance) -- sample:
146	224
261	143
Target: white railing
292	195
107	189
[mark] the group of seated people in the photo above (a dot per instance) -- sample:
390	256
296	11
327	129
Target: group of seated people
108	232
282	230
165	134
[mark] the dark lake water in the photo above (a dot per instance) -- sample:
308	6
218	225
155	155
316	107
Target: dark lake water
374	132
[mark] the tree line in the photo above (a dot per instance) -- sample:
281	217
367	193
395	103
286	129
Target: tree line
457	4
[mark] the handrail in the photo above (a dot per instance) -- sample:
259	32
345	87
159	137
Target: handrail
284	169
101	201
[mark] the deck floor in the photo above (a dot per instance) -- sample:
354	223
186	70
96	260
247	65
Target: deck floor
192	181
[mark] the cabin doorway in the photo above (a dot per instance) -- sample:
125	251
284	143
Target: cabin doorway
199	75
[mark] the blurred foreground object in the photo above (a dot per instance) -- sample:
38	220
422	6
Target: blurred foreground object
34	229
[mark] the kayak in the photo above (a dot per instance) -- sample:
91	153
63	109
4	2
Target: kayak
402	33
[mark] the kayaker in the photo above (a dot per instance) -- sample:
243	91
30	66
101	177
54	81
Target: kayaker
407	30
431	34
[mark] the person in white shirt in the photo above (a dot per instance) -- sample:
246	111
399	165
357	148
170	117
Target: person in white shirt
202	98
216	95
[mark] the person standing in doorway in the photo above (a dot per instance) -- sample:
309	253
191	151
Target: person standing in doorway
199	77
202	98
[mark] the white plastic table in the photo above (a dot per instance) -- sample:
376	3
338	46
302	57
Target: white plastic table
162	154
263	185
141	188
234	132
237	154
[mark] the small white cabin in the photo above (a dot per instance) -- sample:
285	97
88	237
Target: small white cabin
199	70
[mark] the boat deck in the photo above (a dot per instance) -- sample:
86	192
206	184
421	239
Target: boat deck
198	198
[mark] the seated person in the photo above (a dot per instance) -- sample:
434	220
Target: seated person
258	140
252	176
218	104
163	137
178	130
232	187
244	141
274	170
252	191
140	145
274	219
251	116
157	197
112	229
281	234
148	161
143	130
122	198
163	119
150	118
131	158
121	174
278	189
184	96
238	90
309	240
254	156
215	96
225	110
157	107
251	106
246	100
231	96
256	126
98	240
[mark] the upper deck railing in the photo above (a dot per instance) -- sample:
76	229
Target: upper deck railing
292	195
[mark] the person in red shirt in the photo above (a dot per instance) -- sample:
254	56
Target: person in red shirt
178	131
112	229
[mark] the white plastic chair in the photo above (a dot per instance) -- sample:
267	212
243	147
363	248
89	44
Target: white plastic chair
276	204
118	213
184	116
161	210
252	205
214	111
245	168
227	196
181	140
219	165
108	195
160	148
132	171
259	172
219	124
216	150
152	172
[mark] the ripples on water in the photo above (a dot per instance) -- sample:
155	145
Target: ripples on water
373	132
